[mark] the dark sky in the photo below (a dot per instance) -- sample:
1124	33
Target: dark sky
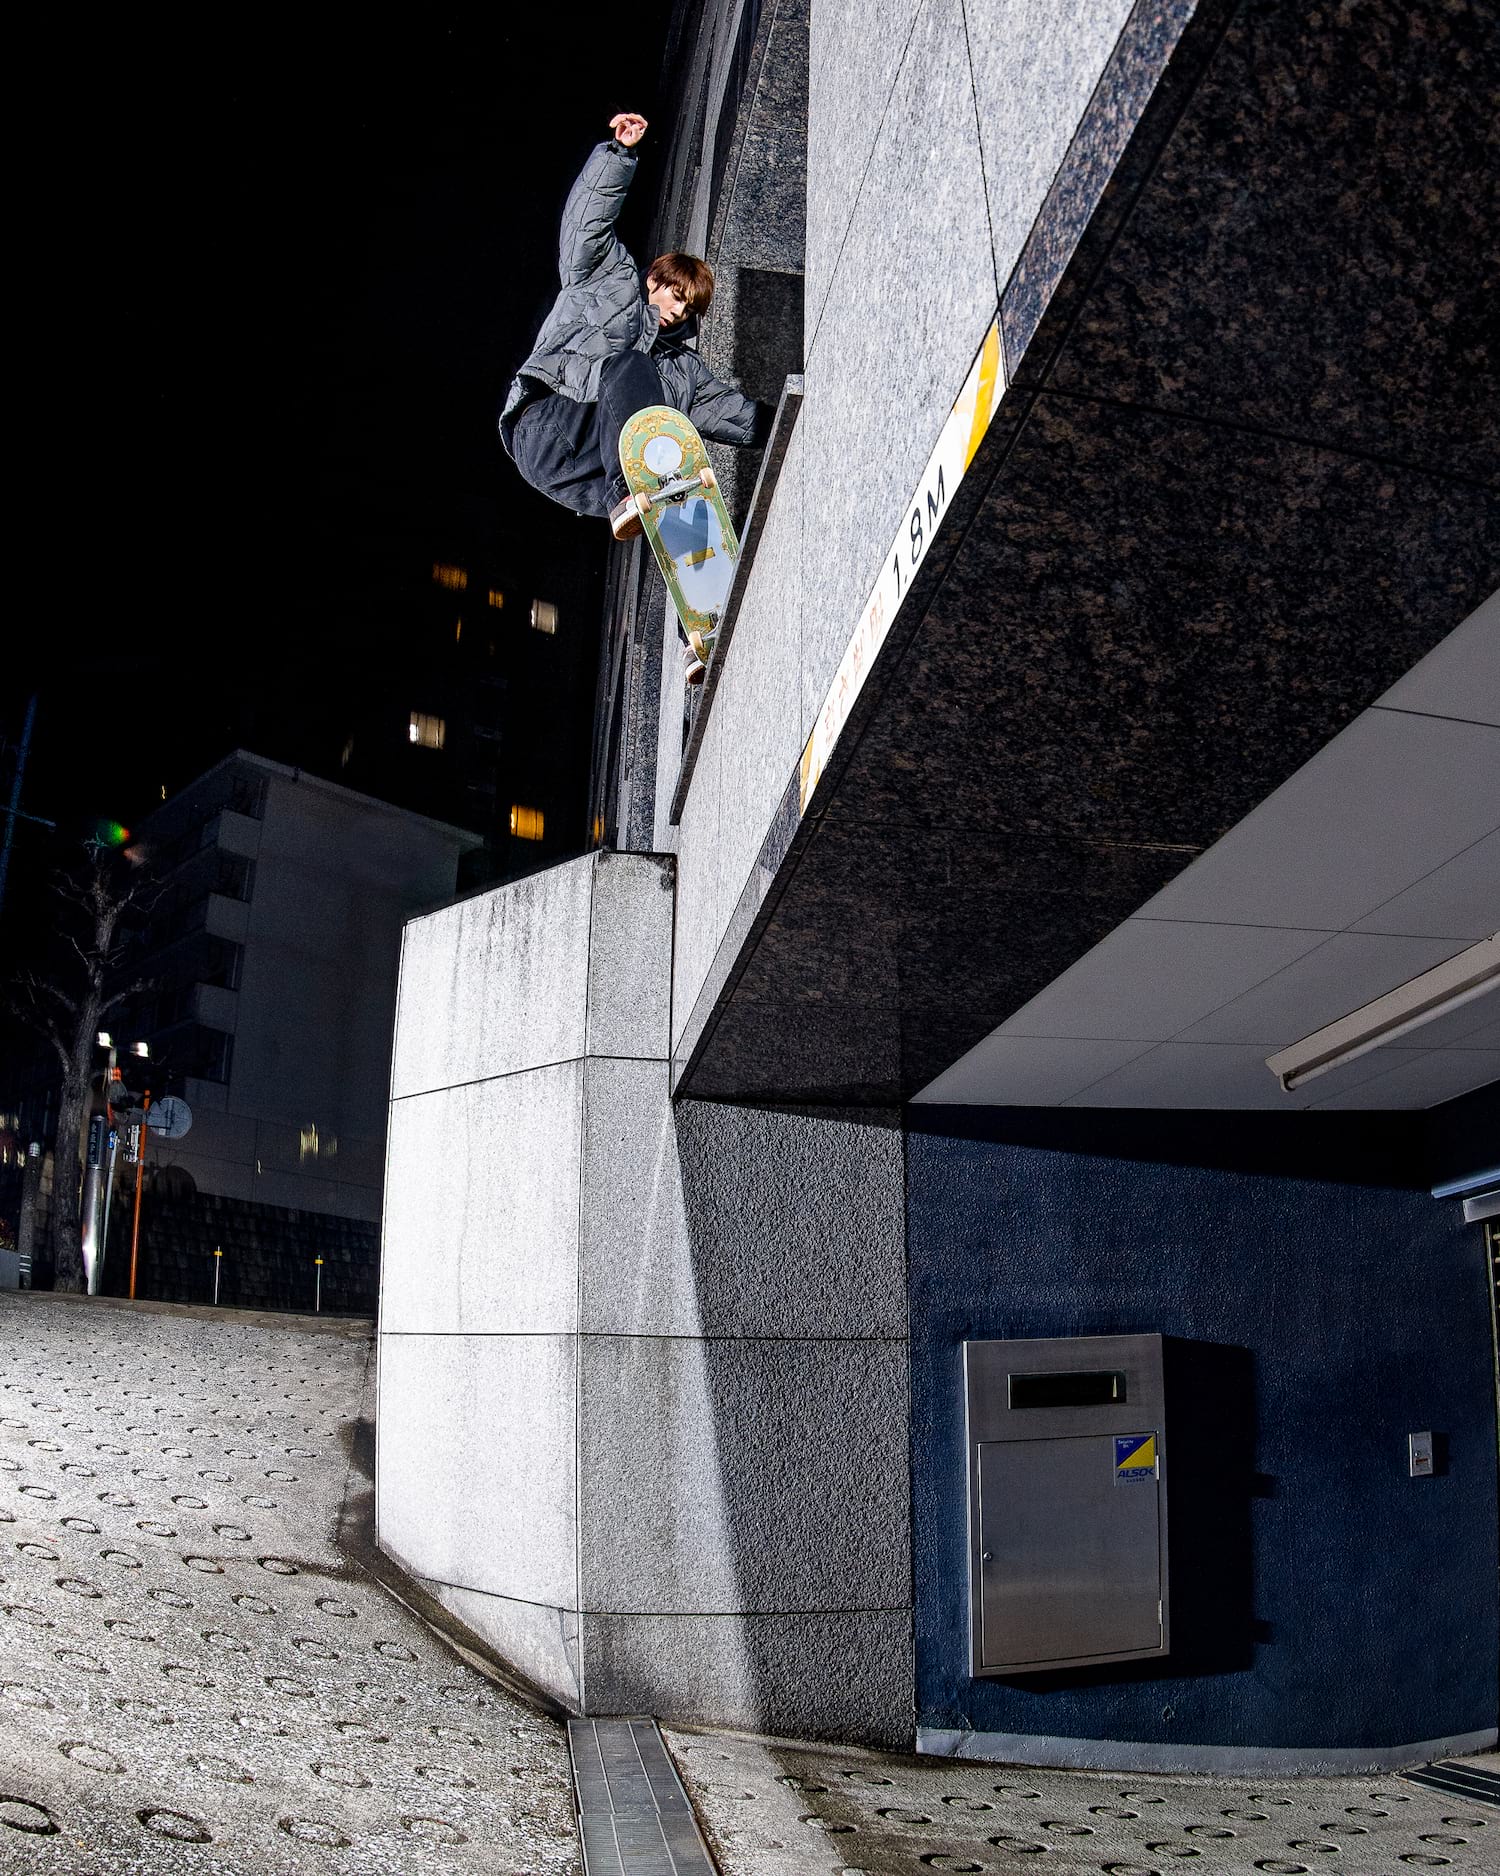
281	275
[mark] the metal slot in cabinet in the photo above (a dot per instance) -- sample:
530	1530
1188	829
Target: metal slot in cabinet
1067	1502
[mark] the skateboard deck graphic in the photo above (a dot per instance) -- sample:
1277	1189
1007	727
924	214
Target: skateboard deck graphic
667	470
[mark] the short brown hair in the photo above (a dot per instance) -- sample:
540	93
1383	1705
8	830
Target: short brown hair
687	275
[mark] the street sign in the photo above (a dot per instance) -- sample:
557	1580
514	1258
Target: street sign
171	1117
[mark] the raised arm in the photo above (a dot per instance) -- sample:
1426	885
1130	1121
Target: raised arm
588	243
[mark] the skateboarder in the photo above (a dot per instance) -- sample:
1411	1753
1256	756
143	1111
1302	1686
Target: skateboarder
611	346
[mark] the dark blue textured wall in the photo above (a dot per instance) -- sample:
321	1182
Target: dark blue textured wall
1322	1308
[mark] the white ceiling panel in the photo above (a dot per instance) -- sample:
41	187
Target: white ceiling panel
1417	1079
1380	807
1190	1074
1379	859
1318	988
1486	1036
1026	1071
1460	677
1151	977
1460	899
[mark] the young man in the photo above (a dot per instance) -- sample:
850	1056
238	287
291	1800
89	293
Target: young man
610	347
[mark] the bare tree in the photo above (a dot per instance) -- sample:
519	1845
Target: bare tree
68	1007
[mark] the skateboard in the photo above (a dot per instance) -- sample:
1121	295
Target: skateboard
677	494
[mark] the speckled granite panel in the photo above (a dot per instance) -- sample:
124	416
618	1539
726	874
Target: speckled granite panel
671	711
764	220
726	1475
851	985
1153	623
758	708
700	915
1133	79
708	1220
854	56
767	332
1316	250
841	1676
1034	74
913	296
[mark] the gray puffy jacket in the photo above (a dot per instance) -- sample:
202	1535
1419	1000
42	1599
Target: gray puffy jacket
602	310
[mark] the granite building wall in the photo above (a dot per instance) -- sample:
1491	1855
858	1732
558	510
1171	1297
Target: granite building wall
932	135
643	1371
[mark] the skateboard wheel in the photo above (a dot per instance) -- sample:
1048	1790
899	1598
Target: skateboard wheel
708	478
643	502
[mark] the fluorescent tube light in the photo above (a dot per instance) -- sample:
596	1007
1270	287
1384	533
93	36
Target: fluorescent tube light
1473	973
1471	1182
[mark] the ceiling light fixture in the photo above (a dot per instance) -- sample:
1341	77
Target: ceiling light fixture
1473	973
1480	1193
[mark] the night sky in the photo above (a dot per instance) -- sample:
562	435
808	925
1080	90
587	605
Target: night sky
279	296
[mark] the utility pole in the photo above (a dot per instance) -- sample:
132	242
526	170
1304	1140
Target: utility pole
13	811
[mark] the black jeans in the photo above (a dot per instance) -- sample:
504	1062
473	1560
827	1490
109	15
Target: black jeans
571	451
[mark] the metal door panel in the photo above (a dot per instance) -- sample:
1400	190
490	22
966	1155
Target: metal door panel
1070	1559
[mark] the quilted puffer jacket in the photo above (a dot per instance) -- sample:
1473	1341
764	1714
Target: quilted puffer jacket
602	310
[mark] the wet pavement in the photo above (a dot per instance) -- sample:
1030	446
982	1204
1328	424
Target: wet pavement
198	1673
778	1808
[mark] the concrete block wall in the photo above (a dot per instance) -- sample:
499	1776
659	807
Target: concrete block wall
643	1375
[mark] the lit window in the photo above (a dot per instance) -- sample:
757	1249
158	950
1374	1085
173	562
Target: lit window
308	1142
526	823
456	579
425	731
543	615
497	600
458	631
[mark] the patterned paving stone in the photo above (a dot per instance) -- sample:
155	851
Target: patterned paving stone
773	1808
195	1677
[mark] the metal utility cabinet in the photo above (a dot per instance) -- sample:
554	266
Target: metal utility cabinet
1067	1502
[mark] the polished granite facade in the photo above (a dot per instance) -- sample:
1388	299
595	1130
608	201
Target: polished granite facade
1241	480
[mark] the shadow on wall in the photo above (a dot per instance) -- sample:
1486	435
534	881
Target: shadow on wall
794	1259
1373	1149
1401	1151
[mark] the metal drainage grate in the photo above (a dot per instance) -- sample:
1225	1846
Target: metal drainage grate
1459	1780
633	1814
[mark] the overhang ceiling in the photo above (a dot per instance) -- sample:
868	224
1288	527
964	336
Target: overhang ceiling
1377	860
1139	788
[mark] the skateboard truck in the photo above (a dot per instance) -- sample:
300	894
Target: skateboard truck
676	490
